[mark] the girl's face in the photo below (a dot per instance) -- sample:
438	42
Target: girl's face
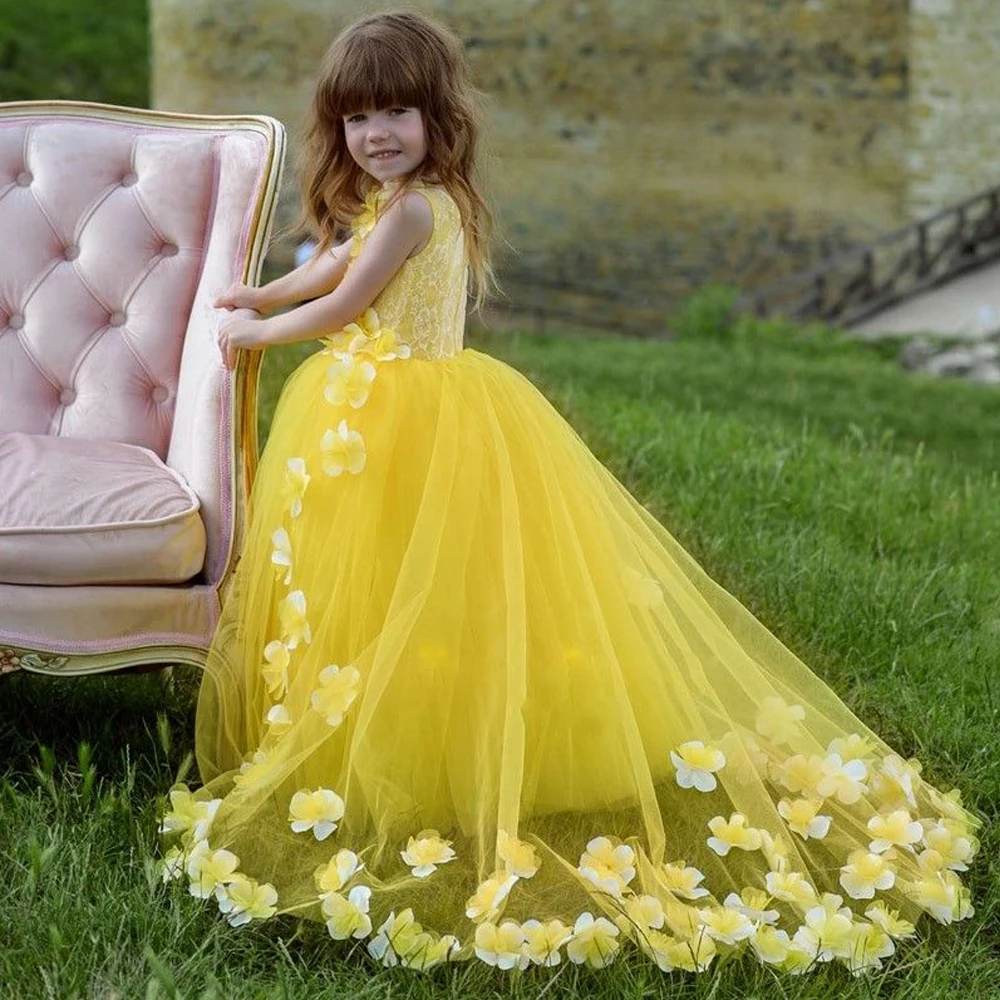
386	143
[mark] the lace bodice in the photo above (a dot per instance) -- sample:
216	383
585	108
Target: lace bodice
424	302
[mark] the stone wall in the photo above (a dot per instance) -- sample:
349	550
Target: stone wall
641	146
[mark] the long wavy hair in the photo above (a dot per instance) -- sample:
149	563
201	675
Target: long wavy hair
396	59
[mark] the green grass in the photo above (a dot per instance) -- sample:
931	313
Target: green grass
851	506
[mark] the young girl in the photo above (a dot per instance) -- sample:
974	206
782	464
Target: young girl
468	698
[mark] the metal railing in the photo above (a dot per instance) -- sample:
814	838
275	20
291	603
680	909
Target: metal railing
852	285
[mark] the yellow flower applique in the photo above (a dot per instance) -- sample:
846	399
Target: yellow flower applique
275	668
607	867
278	720
865	873
641	914
778	721
369	338
402	941
518	856
692	955
543	941
732	833
337	872
896	782
338	687
897	829
208	869
594	942
683	880
501	946
189	815
725	924
171	865
696	765
488	899
802	774
770	944
951	843
347	917
827	934
242	900
364	222
843	779
281	555
790	887
802	817
943	896
869	945
426	851
294	624
318	811
293	486
889	921
752	904
349	381
343	449
853	747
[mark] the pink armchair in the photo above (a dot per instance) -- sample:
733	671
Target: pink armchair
126	448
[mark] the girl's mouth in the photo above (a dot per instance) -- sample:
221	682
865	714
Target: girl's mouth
387	154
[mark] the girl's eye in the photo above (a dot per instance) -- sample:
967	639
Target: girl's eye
398	111
353	119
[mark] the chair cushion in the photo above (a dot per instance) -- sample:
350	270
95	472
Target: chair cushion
78	511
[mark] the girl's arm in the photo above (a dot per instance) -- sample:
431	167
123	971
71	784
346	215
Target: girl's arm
317	276
406	226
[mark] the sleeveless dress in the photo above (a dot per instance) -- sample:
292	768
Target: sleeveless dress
469	699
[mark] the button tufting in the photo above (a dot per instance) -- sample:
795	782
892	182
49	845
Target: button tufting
129	179
160	394
168	250
15	321
67	396
117	318
24	179
71	252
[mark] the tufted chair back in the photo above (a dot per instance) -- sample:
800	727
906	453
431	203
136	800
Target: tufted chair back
115	234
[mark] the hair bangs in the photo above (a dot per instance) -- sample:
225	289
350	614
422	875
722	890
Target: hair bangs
368	78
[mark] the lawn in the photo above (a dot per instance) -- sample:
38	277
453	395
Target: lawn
851	506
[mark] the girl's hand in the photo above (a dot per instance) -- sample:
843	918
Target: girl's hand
240	334
239	296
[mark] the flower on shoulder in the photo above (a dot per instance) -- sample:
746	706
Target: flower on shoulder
242	900
488	899
952	843
898	829
426	851
208	869
790	887
802	817
542	941
725	924
869	945
189	815
683	880
501	946
696	765
801	774
889	920
343	449
943	896
281	555
347	916
275	669
294	624
778	721
607	867
518	856
338	687
337	872
319	811
349	381
278	720
364	222
731	833
865	873
843	779
594	941
752	904
293	486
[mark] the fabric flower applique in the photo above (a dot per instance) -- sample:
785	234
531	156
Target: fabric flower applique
869	945
594	941
171	865
683	880
293	487
725	924
364	222
607	867
943	896
865	873
896	782
697	764
803	818
369	338
278	720
518	856
802	774
692	955
843	779
189	815
790	887
752	904
542	941
281	555
338	687
897	829
349	381
731	833
770	944
242	900
778	721
827	933
641	913
275	668
502	946
853	747
401	940
347	916
319	811
337	872
953	846
426	851
889	921
294	623
488	899
208	869
343	449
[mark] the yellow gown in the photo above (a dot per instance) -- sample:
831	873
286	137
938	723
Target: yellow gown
469	699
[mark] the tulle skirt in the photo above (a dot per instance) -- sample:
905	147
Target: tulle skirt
468	698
